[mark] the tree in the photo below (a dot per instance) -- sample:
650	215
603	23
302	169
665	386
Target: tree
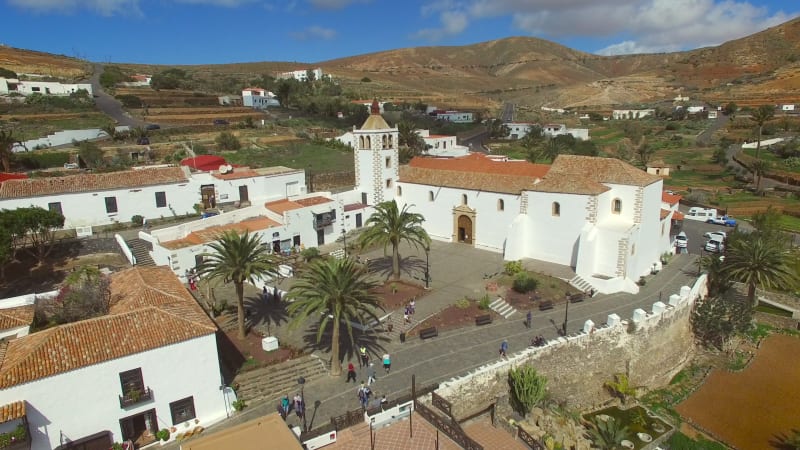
620	387
759	261
237	258
411	143
497	129
607	434
718	281
528	388
786	441
550	148
760	116
730	109
7	142
228	141
90	153
38	227
5	73
334	291
389	226
716	319
759	168
85	293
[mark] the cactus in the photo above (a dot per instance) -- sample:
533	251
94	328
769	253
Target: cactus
527	387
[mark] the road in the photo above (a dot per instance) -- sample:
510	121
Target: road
508	112
475	143
107	104
704	138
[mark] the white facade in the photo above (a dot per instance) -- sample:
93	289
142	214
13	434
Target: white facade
301	75
621	114
518	130
13	85
455	116
787	107
175	372
258	98
376	159
442	145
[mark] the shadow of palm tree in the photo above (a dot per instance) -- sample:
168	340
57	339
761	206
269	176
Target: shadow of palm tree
264	314
786	441
410	266
374	342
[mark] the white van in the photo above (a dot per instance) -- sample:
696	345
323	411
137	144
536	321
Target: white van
701	214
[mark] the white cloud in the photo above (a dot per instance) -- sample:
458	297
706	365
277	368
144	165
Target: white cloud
314	32
103	7
334	4
644	25
225	3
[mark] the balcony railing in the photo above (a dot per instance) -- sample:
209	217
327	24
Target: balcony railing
135	397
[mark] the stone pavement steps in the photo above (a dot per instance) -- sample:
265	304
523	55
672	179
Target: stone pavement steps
579	283
271	382
141	250
500	306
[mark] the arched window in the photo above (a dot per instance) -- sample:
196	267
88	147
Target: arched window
556	209
430	196
501	205
385	141
361	141
399	191
616	206
464	199
368	141
388	182
633	249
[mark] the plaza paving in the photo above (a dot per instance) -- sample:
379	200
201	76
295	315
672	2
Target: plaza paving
458	271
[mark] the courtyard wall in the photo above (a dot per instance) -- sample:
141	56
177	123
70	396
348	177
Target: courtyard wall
650	347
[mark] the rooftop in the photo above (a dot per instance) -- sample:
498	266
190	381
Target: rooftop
246	172
19	316
589	175
91	182
670	198
211	234
12	411
480	163
477	181
150	309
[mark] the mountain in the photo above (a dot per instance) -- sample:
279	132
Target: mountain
760	68
47	64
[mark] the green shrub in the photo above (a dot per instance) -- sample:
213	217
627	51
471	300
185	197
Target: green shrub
239	405
642	281
41	160
462	303
484	302
524	282
130	101
227	141
512	267
162	434
137	219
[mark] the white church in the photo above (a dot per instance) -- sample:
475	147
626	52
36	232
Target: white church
600	216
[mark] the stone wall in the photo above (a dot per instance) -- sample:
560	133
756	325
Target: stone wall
330	181
650	347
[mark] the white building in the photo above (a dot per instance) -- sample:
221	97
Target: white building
13	85
150	363
376	158
368	104
91	199
622	114
301	75
518	130
787	107
454	116
258	98
441	145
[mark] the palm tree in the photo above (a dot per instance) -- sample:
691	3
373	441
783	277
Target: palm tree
7	142
759	261
762	115
714	266
390	226
621	387
237	258
551	147
759	168
411	144
335	291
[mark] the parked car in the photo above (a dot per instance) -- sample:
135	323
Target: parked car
153	126
221	122
71	166
723	235
144	140
723	220
715	245
681	241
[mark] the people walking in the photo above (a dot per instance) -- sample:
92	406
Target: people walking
528	319
363	395
351	372
504	349
371	374
387	362
299	406
285	404
364	358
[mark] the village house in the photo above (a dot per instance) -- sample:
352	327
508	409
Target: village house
150	363
453	116
301	75
658	167
622	114
518	130
258	98
25	87
441	145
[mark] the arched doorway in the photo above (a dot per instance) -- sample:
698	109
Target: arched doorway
464	233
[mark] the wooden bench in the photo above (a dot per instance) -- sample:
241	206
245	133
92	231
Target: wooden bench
483	320
428	333
545	305
576	298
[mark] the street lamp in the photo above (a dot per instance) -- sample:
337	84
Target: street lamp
302	382
427	266
344	239
566	314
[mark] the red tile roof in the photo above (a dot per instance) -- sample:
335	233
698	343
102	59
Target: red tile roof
211	234
20	316
150	309
4	176
677	216
588	175
12	411
665	213
283	205
476	181
670	199
90	182
480	163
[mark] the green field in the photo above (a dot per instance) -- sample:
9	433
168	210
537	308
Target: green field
310	157
34	128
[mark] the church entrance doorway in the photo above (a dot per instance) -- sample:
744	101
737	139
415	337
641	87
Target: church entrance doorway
465	234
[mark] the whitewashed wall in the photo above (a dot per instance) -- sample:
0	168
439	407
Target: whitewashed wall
555	238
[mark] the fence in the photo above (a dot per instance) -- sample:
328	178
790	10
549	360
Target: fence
125	249
528	439
448	427
443	405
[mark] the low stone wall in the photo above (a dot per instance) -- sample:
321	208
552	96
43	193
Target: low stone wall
650	347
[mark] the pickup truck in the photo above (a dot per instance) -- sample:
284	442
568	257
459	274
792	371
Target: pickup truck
722	220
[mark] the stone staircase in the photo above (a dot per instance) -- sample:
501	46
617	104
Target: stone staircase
579	283
500	306
141	250
271	382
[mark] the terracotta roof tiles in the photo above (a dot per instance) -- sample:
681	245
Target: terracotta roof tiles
479	181
671	199
12	411
589	175
477	162
150	309
90	182
20	316
211	234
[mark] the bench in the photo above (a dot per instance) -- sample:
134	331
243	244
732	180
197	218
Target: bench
576	298
483	320
545	305
428	333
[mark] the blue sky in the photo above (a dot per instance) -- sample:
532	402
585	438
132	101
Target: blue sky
223	31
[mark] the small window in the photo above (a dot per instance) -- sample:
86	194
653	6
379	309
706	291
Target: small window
430	196
556	209
161	199
111	204
501	205
399	191
464	199
182	410
36	89
388	182
616	206
633	249
131	380
388	162
55	207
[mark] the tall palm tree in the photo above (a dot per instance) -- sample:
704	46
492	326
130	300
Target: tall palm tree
410	142
237	258
335	291
7	141
762	115
389	226
759	168
759	261
552	147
